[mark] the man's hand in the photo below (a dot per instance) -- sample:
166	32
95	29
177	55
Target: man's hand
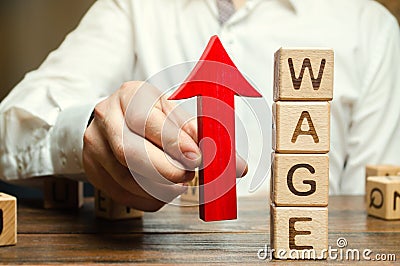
140	148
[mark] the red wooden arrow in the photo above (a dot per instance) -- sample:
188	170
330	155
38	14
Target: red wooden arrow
216	80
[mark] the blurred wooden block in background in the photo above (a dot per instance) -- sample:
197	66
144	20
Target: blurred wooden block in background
192	194
62	193
8	220
303	74
108	209
380	170
383	197
297	229
300	179
301	127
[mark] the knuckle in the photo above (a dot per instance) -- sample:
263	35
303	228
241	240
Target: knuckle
136	120
87	138
119	152
131	86
190	128
100	110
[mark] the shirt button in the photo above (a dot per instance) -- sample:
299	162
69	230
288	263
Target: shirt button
63	161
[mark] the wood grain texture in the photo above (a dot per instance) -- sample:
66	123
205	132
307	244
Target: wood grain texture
192	194
303	74
108	209
301	127
176	235
62	193
8	220
300	179
299	228
380	170
383	197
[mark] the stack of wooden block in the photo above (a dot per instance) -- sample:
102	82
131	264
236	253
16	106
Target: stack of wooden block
382	191
303	87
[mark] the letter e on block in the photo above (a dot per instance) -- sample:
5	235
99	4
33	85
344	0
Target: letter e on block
8	220
301	231
108	209
300	179
305	75
301	127
383	197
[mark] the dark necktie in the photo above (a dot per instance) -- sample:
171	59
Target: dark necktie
226	9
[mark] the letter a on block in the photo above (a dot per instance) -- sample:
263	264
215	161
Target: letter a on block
311	129
301	127
305	74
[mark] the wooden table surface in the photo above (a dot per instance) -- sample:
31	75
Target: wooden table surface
175	235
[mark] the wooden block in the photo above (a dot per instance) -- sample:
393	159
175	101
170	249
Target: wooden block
8	220
300	179
380	170
301	232
192	194
383	197
62	193
108	209
305	74
301	127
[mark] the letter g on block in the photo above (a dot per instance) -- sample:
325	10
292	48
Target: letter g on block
312	183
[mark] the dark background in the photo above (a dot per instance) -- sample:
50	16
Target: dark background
30	29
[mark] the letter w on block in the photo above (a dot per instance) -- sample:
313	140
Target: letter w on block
316	82
307	86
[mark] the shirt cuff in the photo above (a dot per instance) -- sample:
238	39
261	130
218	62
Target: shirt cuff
67	140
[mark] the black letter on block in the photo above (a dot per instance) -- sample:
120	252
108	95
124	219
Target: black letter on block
293	232
312	184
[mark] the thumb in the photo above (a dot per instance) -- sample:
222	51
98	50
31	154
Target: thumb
241	166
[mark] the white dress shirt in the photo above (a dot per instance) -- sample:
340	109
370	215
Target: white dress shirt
43	119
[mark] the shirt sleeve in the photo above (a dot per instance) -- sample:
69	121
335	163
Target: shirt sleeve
374	133
43	119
